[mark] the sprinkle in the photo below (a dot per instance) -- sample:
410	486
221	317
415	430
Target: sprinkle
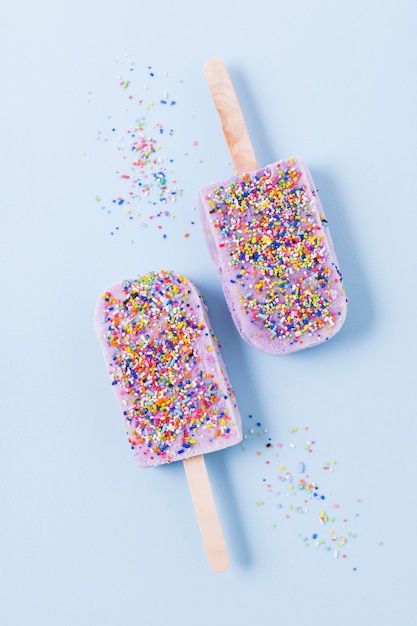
299	494
145	147
323	517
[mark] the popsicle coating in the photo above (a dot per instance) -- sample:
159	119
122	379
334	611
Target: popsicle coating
268	238
166	369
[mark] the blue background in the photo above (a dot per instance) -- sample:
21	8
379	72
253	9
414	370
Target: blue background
87	537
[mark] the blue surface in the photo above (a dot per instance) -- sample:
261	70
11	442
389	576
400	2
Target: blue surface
88	538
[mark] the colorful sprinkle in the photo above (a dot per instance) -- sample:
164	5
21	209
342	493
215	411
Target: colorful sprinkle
144	147
295	494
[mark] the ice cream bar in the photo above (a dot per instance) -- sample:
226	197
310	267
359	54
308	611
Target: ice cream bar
269	240
170	382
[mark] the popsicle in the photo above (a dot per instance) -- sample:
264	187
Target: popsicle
268	238
171	384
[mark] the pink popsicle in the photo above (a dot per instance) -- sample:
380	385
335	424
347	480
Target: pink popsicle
268	238
170	382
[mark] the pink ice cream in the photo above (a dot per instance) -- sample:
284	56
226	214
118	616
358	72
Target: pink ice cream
270	243
166	369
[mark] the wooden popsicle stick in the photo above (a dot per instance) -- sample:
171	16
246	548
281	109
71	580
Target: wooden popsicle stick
231	117
205	508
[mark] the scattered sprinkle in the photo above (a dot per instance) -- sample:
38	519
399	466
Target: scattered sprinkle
303	490
141	136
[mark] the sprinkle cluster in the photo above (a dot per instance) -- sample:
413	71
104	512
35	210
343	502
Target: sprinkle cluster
163	366
301	489
146	171
149	148
279	260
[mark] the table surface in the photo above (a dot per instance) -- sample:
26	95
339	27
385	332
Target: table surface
89	538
